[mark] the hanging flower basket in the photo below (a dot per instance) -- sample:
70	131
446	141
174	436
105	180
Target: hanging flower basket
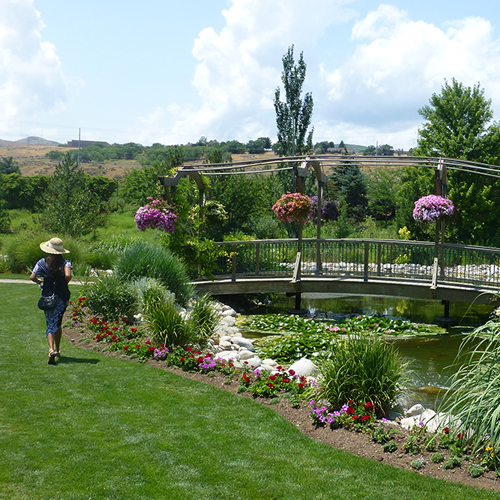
156	214
433	208
293	207
328	209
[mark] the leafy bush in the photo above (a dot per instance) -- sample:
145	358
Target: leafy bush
452	462
437	458
110	298
147	260
23	252
151	292
363	368
380	435
418	463
390	447
476	470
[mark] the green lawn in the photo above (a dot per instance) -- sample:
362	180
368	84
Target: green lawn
107	428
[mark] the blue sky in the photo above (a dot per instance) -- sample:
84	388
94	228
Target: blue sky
170	72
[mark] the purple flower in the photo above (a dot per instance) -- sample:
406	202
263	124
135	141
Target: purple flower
432	208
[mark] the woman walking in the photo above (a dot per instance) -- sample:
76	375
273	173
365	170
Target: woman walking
56	273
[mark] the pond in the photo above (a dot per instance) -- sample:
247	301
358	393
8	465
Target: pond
430	356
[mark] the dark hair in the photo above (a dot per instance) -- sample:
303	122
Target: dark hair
57	265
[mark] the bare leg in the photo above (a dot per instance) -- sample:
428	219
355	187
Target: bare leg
50	340
57	339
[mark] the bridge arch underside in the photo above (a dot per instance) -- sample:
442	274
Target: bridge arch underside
351	286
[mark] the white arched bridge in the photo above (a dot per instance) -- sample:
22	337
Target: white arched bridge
415	269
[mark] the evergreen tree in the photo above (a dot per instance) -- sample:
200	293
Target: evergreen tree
70	205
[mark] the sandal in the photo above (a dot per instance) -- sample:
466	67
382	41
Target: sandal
52	357
57	354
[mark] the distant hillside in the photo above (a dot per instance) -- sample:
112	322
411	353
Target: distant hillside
29	141
357	148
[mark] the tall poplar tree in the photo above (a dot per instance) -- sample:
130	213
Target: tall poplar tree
293	116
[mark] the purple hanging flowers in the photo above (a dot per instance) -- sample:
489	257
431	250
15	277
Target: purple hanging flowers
293	207
433	208
155	214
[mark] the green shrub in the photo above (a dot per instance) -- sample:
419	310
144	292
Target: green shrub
363	368
418	463
452	462
476	470
151	292
412	446
23	252
380	436
167	325
437	458
147	260
110	298
390	447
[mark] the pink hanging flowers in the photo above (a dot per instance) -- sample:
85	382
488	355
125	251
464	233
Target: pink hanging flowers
293	207
433	208
155	214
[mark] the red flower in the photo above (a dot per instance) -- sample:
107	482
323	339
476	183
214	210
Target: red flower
138	346
270	384
368	406
350	401
350	411
181	359
125	348
114	328
133	330
151	348
446	430
291	372
279	368
272	377
460	435
189	349
286	380
355	417
364	418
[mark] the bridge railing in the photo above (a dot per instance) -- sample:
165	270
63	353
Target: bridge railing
364	259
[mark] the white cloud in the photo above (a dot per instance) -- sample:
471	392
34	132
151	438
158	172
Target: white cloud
31	77
393	74
240	67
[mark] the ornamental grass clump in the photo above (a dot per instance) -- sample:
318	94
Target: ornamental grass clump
362	368
144	259
293	207
432	208
473	399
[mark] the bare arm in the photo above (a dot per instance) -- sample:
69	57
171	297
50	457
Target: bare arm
67	274
35	279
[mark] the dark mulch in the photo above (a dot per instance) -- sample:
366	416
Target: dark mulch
353	442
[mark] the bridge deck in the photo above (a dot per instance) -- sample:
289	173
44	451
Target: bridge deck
414	269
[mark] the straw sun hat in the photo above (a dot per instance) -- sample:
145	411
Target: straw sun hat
54	245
